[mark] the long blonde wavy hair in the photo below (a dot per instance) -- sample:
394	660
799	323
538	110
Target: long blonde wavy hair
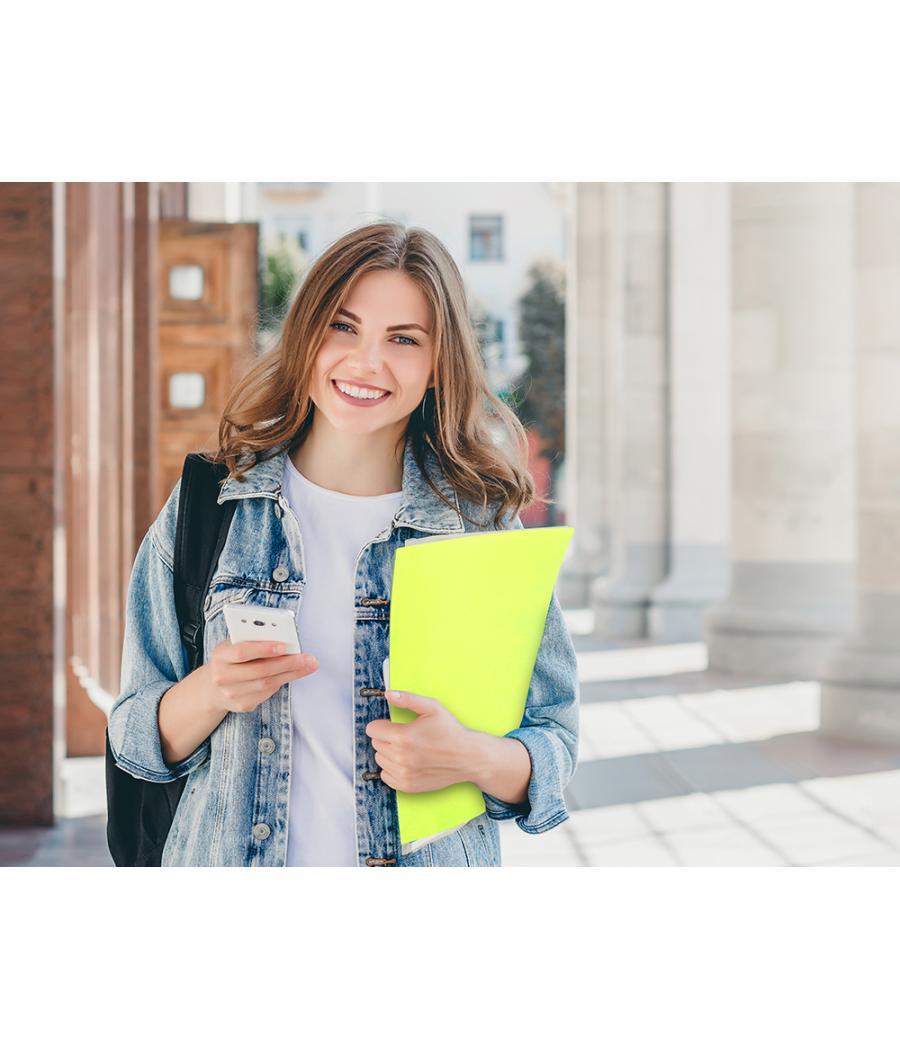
460	419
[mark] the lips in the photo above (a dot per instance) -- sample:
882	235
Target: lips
360	402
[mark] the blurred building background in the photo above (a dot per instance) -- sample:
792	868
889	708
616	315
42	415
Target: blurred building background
708	374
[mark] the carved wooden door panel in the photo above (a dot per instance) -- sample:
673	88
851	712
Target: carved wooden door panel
207	333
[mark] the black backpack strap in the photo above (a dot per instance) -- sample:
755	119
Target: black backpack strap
200	534
140	813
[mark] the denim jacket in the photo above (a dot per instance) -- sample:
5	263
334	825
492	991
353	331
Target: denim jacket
234	807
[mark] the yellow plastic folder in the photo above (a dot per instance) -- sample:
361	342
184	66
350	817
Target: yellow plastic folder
467	618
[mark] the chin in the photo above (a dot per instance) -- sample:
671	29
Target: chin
363	426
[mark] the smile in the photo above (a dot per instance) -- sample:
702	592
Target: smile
355	395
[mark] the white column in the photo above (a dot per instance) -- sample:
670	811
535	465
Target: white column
593	329
792	535
861	681
372	202
700	409
636	371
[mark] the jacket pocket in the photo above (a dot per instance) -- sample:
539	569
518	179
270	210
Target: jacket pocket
474	845
481	841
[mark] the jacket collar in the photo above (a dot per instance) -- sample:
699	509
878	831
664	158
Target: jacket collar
419	509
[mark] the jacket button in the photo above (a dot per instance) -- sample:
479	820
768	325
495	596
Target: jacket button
261	831
372	862
266	745
280	574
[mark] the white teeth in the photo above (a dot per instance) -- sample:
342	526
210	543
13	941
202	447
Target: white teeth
355	391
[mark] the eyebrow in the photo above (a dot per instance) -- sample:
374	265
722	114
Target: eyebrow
390	328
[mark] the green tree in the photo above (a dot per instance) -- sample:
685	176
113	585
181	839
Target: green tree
539	396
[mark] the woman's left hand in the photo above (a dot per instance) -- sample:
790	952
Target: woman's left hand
431	752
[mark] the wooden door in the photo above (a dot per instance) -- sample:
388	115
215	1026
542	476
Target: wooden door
207	333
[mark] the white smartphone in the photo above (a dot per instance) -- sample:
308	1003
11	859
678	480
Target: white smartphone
256	623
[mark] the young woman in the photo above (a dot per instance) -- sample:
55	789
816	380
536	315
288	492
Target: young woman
370	423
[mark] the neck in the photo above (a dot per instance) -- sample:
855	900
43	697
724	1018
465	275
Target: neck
354	464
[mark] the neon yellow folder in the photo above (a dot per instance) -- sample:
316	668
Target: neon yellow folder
467	619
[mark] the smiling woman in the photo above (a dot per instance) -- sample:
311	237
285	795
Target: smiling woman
366	381
370	423
384	307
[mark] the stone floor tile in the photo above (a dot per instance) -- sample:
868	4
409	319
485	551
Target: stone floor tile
764	800
888	858
683	813
554	847
670	724
605	737
723	846
607	824
888	830
816	838
759	712
867	798
642	852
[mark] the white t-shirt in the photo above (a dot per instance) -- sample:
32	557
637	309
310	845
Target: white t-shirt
335	527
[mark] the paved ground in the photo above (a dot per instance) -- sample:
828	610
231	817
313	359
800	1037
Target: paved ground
677	766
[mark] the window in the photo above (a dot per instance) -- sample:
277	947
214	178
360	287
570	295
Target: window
187	390
186	282
485	237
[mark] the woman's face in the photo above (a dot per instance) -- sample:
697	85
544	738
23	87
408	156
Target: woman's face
380	343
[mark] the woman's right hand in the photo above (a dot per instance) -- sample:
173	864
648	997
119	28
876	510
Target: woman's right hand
241	675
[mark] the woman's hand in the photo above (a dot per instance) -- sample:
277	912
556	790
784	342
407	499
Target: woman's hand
241	675
431	752
436	750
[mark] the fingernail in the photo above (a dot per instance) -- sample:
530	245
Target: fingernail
279	648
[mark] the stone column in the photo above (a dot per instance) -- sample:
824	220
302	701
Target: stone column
636	371
861	680
792	533
700	404
593	327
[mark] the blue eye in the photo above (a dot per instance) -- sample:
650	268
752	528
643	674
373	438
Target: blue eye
340	325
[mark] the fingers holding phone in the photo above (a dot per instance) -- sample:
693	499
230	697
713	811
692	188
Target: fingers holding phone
247	670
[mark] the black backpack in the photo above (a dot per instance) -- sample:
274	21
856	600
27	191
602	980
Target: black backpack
139	812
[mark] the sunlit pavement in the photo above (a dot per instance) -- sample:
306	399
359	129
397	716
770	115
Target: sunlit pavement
682	766
677	766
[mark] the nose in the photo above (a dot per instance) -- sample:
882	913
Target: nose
367	359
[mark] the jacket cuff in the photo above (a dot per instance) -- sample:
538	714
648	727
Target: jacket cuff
141	729
546	805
